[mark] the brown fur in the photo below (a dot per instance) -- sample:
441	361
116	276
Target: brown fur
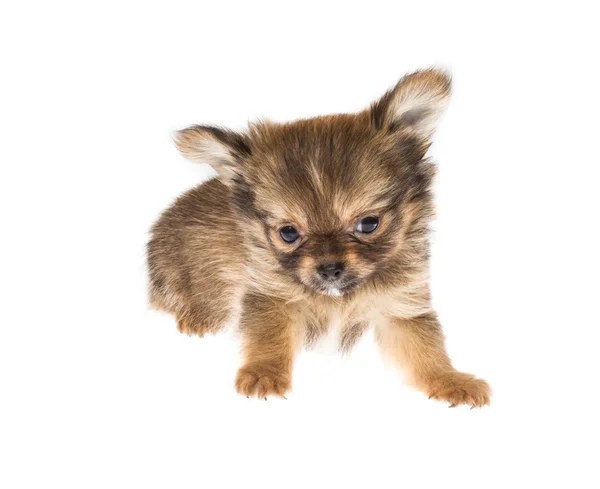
217	254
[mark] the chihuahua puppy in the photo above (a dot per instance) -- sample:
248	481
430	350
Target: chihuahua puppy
309	222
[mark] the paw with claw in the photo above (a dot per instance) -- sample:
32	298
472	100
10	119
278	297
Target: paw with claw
190	326
262	380
460	388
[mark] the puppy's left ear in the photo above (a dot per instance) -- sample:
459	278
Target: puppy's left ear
414	104
222	149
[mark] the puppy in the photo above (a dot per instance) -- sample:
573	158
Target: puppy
307	222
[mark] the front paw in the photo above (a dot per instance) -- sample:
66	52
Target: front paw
262	380
460	388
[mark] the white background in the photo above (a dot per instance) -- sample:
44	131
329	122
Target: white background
98	391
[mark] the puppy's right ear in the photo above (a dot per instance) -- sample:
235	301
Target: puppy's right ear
222	149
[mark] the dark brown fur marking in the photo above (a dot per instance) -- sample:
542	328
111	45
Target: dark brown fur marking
351	334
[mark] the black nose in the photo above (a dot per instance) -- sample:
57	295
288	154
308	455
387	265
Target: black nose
330	271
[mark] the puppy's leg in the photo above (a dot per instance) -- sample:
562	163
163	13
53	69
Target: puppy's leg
200	307
417	346
206	316
270	341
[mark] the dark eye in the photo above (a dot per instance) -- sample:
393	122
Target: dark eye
367	225
289	234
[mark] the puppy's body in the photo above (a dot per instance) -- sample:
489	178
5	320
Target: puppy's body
310	223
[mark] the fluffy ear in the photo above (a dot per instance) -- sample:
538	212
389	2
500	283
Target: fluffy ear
220	148
414	104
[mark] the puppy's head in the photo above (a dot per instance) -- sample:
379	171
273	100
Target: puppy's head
335	200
